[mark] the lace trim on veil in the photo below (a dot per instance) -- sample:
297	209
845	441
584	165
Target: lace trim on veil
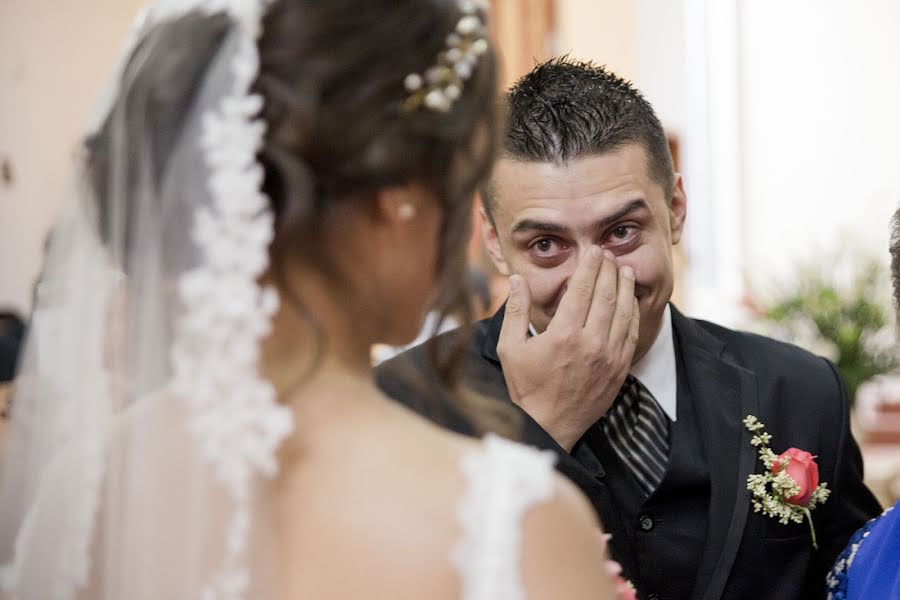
505	480
232	411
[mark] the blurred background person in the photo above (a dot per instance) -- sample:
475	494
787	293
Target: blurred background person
870	565
12	334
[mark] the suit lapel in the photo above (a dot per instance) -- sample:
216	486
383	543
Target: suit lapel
723	394
491	335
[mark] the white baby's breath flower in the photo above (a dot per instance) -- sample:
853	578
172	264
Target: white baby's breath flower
770	491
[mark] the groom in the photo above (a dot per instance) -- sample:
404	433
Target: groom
582	211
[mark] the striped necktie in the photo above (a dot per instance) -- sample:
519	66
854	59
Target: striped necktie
637	428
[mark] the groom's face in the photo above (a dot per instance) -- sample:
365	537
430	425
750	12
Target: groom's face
546	216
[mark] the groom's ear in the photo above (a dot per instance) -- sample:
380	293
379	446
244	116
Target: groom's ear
492	242
677	209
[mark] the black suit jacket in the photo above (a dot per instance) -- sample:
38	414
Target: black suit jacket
800	398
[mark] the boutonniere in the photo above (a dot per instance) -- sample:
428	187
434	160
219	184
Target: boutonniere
790	488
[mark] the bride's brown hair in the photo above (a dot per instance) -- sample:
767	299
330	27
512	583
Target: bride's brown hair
332	78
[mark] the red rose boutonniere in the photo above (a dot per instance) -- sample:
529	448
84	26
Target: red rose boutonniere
790	488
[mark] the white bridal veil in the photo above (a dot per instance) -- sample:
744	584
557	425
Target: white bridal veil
142	432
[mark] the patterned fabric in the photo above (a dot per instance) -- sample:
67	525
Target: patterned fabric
843	580
638	430
505	479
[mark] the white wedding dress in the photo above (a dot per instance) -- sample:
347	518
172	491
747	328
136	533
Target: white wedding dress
505	479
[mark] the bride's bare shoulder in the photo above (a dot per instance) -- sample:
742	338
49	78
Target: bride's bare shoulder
379	492
563	552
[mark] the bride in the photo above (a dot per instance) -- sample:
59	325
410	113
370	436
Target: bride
270	189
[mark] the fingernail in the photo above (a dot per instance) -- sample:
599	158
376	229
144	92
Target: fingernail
514	283
627	272
596	251
609	255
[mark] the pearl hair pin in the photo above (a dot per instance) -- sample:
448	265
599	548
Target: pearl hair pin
442	84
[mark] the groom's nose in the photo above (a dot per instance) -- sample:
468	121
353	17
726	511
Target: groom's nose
568	268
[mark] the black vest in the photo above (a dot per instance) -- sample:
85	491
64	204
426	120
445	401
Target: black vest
665	534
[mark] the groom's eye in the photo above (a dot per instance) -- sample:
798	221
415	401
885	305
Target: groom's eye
545	246
622	238
546	252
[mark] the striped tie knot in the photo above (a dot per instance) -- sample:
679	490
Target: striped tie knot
637	428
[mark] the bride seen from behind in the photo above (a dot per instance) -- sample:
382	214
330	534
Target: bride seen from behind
148	458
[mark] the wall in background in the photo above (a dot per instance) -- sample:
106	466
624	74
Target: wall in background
820	130
54	60
600	30
641	40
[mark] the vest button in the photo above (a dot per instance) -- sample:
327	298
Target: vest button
646	523
652	597
601	472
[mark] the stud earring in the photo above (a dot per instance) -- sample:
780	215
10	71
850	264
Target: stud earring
406	211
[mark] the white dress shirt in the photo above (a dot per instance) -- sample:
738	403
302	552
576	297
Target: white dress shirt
656	369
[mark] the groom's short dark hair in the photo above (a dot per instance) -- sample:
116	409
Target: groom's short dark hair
566	109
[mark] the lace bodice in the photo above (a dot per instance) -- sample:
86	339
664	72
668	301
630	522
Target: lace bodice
505	479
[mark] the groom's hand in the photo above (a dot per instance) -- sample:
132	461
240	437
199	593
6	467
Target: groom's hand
567	377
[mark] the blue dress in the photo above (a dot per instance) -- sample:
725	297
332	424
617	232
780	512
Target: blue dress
870	565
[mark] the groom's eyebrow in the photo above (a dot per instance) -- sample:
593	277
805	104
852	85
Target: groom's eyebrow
533	225
633	206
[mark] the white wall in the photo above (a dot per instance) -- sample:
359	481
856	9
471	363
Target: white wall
54	60
660	60
792	138
712	164
820	99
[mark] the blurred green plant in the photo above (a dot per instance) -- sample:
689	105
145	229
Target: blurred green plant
851	324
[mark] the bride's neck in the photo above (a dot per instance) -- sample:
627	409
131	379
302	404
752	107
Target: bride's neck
335	351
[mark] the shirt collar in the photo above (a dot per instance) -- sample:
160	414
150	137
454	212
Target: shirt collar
656	370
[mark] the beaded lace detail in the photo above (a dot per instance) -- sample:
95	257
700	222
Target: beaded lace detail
837	579
233	412
504	480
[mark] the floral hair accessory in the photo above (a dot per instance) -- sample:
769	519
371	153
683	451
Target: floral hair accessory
790	488
442	84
